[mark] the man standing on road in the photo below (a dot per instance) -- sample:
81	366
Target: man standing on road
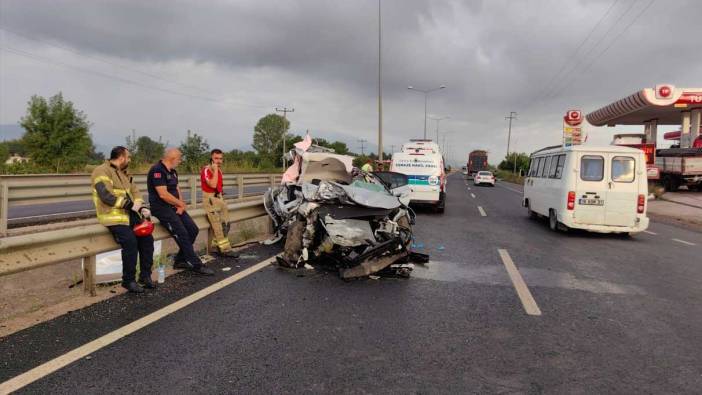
368	167
168	206
119	205
215	205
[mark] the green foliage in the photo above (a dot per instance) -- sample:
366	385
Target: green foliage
268	138
522	160
4	152
338	146
16	147
195	151
57	134
148	150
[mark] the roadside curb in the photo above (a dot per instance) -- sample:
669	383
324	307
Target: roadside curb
681	203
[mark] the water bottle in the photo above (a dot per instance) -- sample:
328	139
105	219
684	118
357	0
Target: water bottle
161	274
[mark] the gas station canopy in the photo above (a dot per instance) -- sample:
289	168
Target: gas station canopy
664	105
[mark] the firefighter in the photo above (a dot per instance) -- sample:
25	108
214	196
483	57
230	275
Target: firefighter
215	205
168	206
368	167
120	207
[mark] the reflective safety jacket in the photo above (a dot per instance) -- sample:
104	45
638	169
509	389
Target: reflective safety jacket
114	193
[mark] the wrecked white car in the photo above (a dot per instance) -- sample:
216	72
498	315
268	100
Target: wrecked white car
335	216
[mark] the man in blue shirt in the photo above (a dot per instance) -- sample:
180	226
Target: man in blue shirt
168	206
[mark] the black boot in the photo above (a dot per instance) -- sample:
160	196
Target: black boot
133	287
147	283
202	269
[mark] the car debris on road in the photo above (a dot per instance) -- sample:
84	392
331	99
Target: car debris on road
335	216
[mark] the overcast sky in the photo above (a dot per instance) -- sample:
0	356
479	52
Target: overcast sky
216	67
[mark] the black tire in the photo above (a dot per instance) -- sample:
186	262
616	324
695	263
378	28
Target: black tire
532	214
439	208
552	220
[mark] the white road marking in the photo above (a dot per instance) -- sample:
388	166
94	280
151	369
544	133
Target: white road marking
468	187
472	195
482	212
57	363
510	189
684	242
650	233
520	286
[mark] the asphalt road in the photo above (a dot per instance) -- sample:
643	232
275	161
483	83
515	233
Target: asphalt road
42	213
618	315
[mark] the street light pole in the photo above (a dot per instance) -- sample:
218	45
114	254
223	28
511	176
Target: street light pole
437	125
512	115
285	112
380	89
426	93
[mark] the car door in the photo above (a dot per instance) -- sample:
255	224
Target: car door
591	188
623	190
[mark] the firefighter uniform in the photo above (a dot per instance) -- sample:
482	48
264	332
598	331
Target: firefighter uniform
216	209
114	195
180	226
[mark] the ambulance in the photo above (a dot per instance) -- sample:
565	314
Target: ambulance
423	163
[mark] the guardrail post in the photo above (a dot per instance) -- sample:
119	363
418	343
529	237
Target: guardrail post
89	268
4	209
193	191
240	186
272	178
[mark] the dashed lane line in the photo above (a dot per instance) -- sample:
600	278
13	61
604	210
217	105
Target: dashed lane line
650	233
520	286
482	212
60	362
472	195
684	242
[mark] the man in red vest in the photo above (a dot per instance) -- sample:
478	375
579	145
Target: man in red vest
215	206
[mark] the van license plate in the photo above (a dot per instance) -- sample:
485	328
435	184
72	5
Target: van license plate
591	202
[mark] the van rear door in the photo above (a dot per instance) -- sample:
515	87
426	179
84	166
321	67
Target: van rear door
591	189
620	208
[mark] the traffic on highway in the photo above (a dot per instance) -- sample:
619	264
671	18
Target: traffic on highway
464	197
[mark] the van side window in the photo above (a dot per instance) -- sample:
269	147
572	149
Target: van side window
591	168
554	163
559	166
540	170
623	169
544	169
532	162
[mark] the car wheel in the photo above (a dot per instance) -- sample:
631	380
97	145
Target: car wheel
552	220
532	214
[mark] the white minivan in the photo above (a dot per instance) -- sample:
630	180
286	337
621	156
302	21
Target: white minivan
427	179
599	189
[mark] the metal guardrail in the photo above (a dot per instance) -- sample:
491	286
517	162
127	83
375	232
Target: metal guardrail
46	189
26	252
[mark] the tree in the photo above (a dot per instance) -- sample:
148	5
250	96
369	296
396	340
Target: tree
522	160
268	137
57	134
4	153
16	147
148	150
94	156
195	149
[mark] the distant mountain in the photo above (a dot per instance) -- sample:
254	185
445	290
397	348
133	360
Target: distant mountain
10	131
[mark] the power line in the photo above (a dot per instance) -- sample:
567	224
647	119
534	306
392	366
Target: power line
556	87
572	56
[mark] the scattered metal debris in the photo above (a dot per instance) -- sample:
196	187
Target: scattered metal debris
335	216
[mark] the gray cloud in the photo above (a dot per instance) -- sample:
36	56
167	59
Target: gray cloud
494	56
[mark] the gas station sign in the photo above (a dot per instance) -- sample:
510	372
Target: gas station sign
572	128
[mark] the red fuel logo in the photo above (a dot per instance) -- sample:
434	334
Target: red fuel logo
573	117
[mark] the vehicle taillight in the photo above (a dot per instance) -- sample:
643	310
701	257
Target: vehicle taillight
641	204
571	200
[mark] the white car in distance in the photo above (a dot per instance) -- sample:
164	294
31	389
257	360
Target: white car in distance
484	178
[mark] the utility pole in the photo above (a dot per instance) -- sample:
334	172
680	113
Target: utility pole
380	89
392	149
512	115
363	142
285	112
437	125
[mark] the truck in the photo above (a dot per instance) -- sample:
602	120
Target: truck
477	161
672	167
